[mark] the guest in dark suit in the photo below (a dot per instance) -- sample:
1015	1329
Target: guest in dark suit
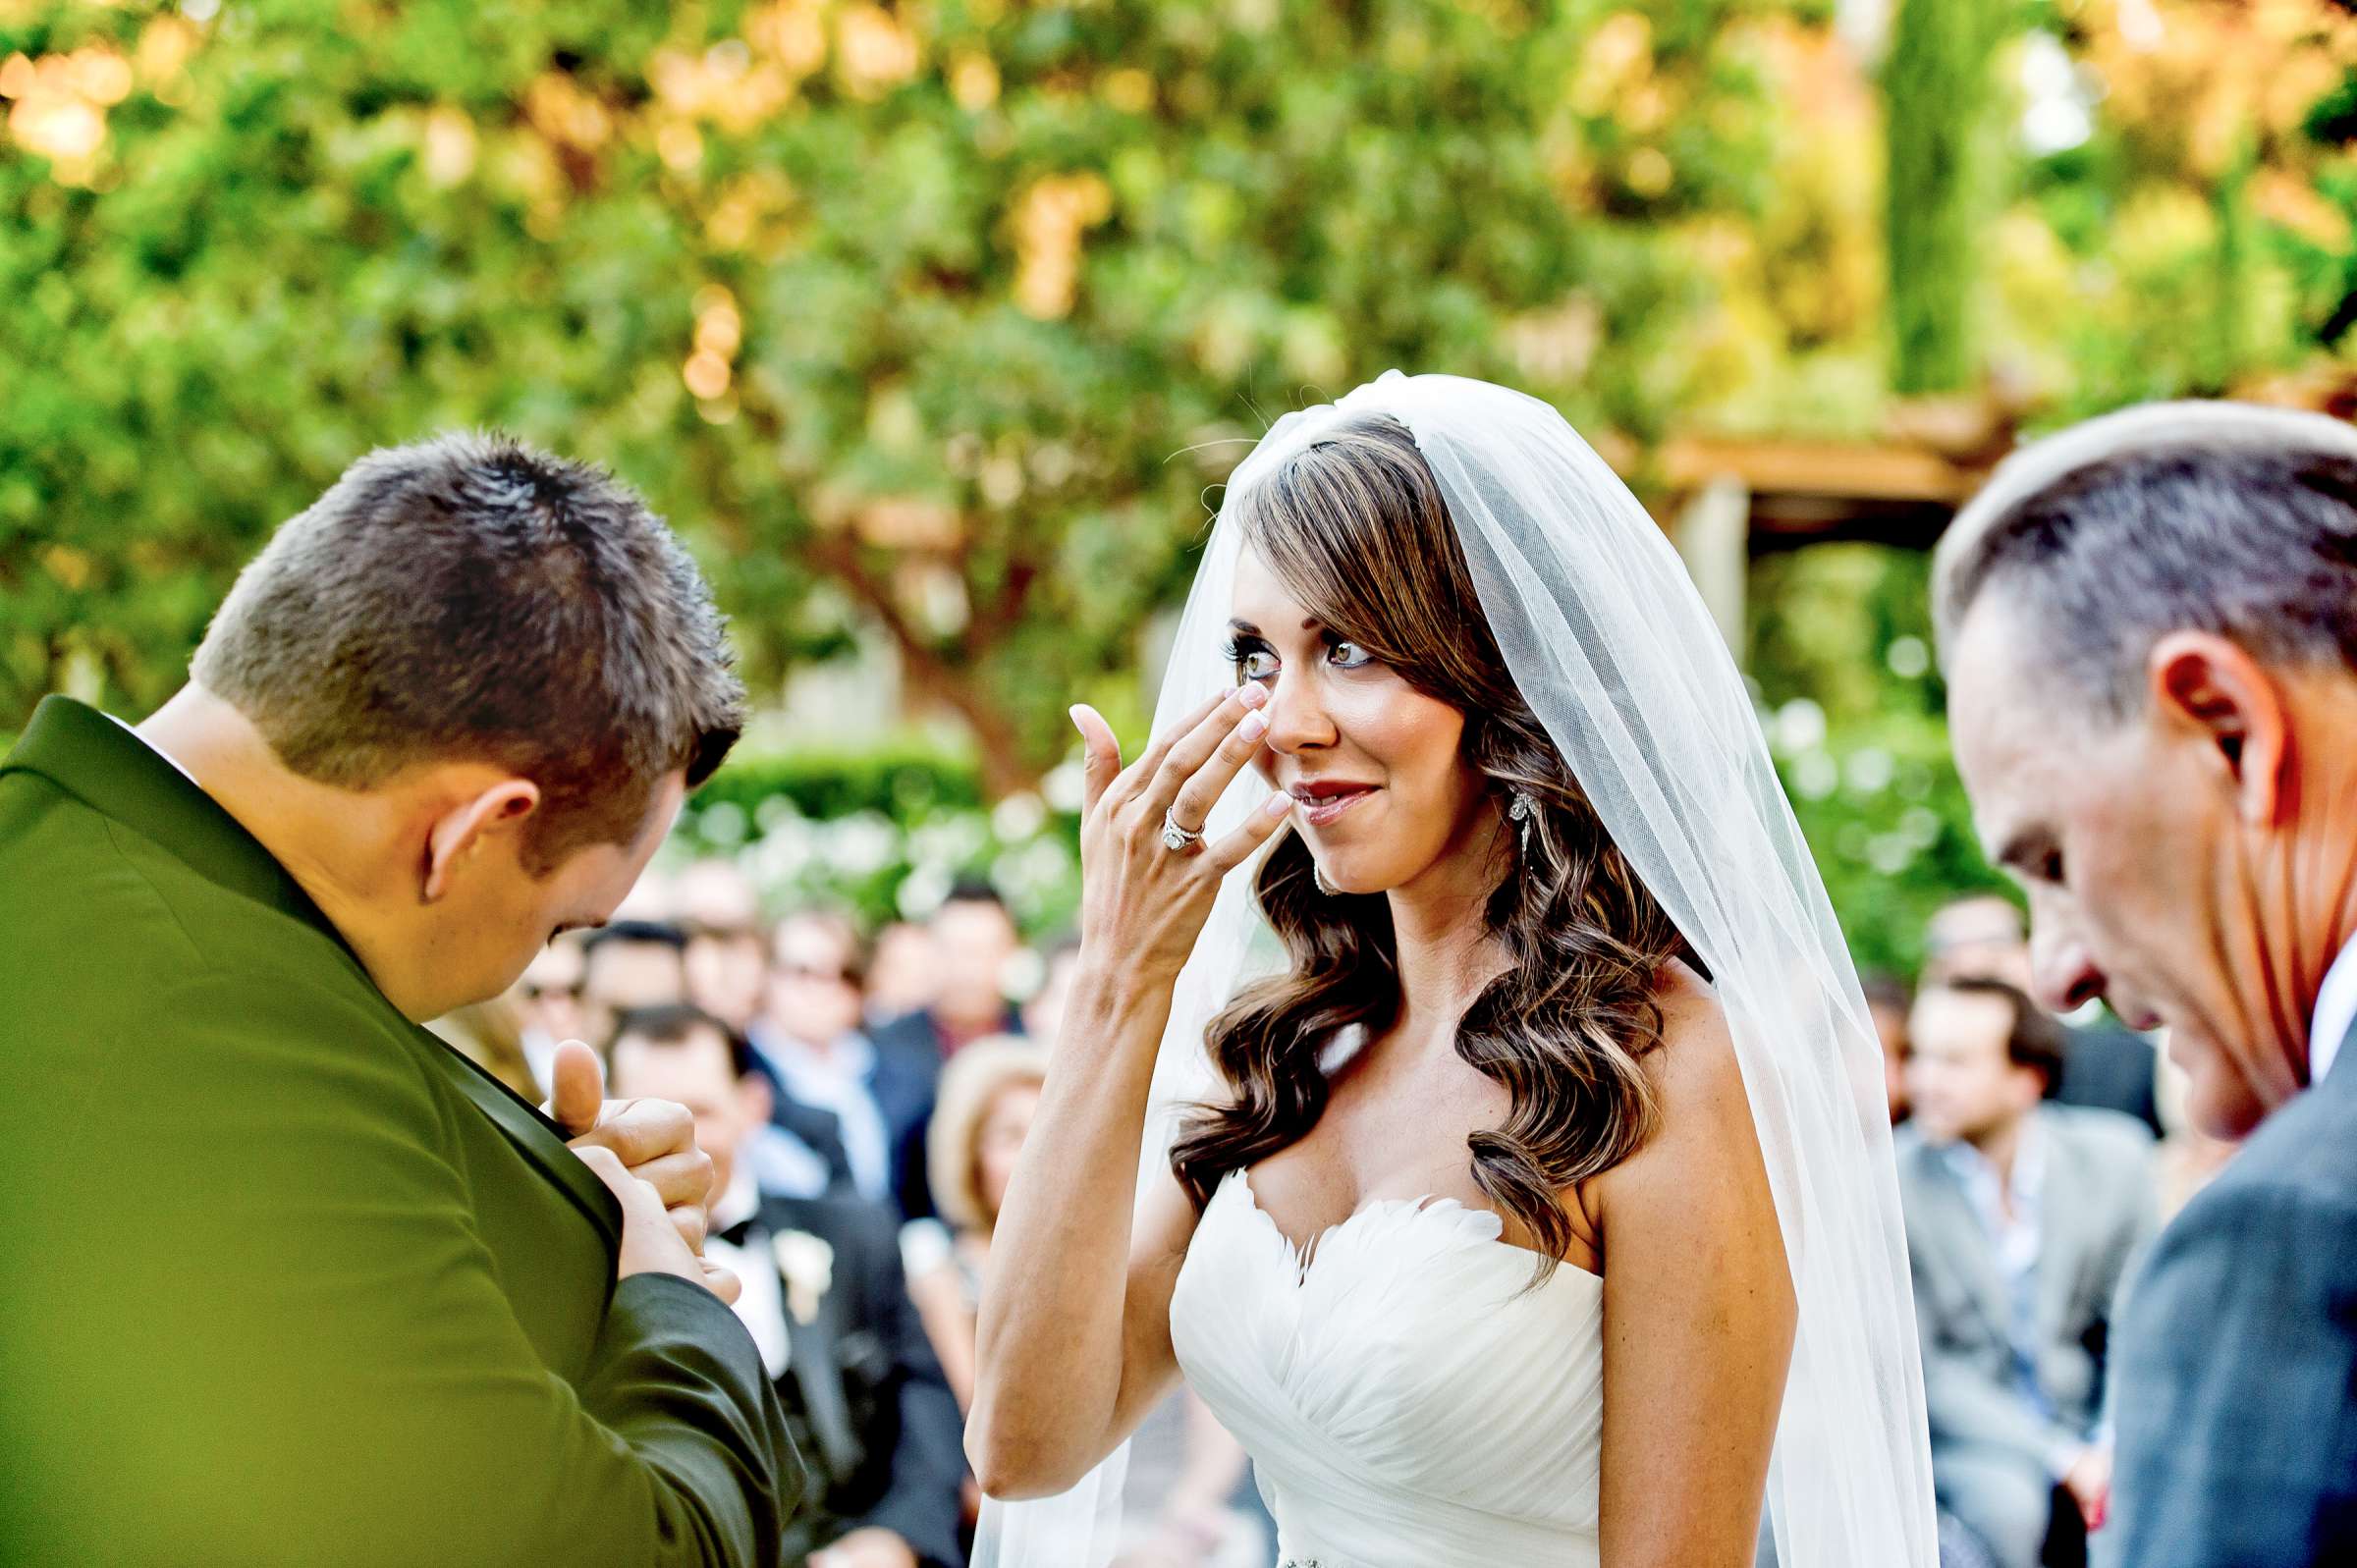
627	965
355	1302
878	1090
714	901
2104	1067
2150	625
826	1302
1888	1000
2022	1218
974	940
800	1152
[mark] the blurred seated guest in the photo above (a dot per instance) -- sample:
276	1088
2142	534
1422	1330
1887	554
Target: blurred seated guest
649	901
1958	1546
1982	936
2022	1218
490	1034
715	903
799	1153
1043	1013
548	1003
988	1097
1186	1475
714	891
1889	1000
728	971
628	964
899	973
642	963
974	940
826	1303
809	1040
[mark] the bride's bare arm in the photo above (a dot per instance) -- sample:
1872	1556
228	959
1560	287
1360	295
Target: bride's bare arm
1074	1345
1073	1342
1698	1312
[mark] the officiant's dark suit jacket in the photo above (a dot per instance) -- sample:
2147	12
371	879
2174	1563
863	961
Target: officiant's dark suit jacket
2237	1359
283	1280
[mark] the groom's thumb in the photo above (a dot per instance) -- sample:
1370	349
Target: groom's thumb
576	1088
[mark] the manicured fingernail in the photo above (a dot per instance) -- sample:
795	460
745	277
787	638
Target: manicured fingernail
1255	725
1278	804
1252	696
1073	714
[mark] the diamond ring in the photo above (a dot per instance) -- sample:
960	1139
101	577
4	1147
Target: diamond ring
1178	840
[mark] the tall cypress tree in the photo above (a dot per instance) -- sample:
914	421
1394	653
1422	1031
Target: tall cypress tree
1936	98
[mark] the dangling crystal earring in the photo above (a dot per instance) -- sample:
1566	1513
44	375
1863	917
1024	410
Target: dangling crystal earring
1317	874
1520	808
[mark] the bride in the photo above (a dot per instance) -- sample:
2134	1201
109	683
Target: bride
1538	1207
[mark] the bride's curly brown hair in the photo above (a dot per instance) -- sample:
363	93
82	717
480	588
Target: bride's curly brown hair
1355	526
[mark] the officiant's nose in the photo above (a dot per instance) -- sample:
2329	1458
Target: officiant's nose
2067	973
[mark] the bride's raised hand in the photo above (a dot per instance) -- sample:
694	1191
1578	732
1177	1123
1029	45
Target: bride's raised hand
1142	901
1072	1342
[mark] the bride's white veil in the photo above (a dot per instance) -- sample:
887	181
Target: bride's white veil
1613	648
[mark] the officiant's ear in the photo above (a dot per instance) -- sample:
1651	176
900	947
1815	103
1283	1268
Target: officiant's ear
463	828
2211	685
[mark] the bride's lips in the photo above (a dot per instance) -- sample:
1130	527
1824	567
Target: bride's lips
1325	800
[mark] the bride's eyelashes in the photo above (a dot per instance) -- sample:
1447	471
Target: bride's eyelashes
1251	658
1254	660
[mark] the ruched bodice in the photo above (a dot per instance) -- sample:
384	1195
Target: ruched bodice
1407	1401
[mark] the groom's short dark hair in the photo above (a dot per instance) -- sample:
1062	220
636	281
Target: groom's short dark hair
472	598
2255	543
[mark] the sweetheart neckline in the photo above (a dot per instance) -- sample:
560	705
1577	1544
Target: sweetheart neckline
1306	1259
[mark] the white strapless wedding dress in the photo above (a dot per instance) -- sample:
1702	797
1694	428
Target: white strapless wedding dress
1407	1402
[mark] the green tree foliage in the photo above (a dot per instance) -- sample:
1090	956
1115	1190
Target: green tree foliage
940	318
1854	709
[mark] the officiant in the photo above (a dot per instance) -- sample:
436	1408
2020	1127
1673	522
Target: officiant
2149	628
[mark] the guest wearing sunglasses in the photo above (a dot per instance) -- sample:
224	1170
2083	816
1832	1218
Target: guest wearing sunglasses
809	1040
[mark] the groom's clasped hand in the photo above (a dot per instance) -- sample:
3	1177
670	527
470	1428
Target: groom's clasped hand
646	1152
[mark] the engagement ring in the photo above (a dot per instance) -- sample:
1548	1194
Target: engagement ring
1178	840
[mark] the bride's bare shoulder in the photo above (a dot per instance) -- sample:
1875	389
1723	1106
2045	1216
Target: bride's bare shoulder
1696	1048
1699	1099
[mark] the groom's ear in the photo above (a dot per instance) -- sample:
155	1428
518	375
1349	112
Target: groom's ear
470	820
2209	690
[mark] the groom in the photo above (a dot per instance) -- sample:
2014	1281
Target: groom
2150	625
283	1280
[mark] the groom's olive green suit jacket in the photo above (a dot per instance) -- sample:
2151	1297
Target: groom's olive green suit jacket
284	1280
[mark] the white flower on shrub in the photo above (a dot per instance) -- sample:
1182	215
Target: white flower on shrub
858	846
921	892
1019	817
1066	787
948	841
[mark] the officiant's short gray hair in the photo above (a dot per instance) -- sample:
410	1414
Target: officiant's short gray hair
472	598
2225	518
